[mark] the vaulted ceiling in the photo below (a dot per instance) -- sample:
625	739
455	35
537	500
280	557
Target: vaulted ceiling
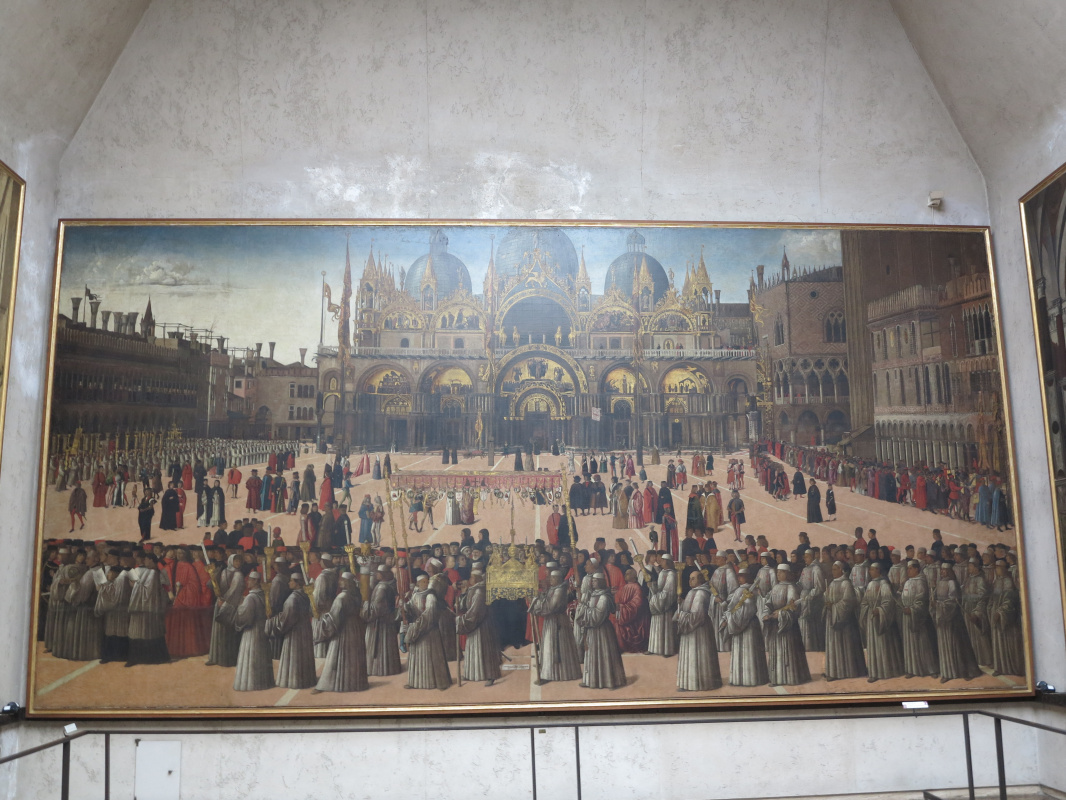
998	66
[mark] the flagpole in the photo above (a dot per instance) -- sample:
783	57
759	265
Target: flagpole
322	313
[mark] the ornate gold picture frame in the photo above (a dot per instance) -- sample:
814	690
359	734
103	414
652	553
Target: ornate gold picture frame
12	202
382	467
1042	215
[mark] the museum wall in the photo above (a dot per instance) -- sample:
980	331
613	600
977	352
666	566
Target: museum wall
812	111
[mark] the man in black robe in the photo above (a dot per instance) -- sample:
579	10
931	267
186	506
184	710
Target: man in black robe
566	536
170	505
814	500
664	498
145	512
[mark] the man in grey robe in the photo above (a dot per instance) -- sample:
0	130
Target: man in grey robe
445	616
379	614
662	601
812	604
603	661
584	591
325	591
225	642
897	573
766	579
722	584
426	665
843	640
975	597
697	660
558	659
296	667
919	638
1004	616
343	630
747	658
148	612
481	656
278	592
860	571
786	660
953	642
878	615
55	627
255	670
85	630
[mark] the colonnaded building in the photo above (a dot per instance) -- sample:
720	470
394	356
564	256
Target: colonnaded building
538	356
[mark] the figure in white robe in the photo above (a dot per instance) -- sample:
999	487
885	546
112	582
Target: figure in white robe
382	627
255	670
843	640
662	601
296	667
697	660
919	638
786	660
481	656
747	657
957	659
812	585
343	631
603	661
148	612
452	514
1004	616
558	659
878	618
426	665
975	597
112	606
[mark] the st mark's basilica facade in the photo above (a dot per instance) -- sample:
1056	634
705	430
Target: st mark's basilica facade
537	356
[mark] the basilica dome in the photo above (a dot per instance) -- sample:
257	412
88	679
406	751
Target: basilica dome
557	249
623	269
451	273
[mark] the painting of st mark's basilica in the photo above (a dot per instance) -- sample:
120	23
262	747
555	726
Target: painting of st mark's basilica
539	353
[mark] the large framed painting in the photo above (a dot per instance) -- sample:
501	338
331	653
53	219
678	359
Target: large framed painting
12	201
1043	211
384	467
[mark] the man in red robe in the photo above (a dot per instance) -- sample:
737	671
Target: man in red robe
182	500
234	479
254	485
919	492
651	502
99	489
553	526
185	632
632	617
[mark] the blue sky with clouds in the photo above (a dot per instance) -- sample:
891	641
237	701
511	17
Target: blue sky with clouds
259	283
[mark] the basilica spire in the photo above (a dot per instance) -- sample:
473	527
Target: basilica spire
583	281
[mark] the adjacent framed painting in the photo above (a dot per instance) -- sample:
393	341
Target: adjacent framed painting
12	201
385	467
1043	211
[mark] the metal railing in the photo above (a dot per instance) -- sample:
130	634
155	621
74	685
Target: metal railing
829	716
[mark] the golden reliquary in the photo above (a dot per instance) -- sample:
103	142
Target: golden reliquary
514	578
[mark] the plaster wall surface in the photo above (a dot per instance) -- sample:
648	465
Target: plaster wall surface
767	110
